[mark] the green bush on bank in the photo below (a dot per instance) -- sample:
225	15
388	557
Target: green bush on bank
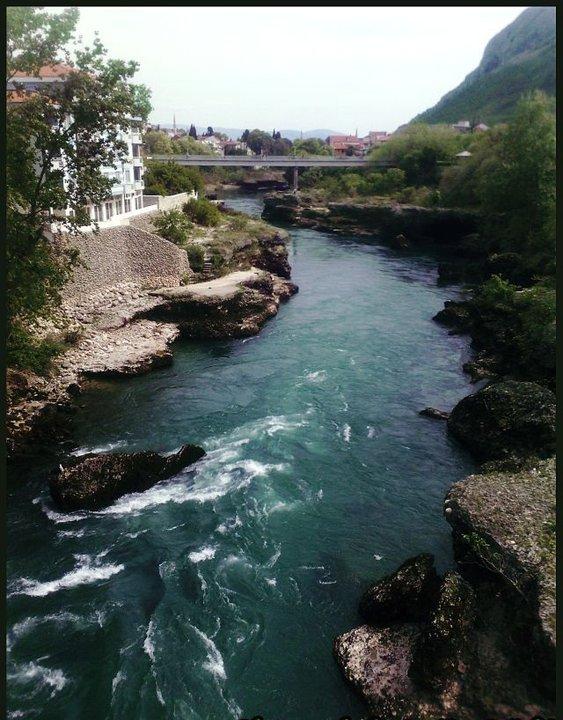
202	212
26	352
172	225
196	257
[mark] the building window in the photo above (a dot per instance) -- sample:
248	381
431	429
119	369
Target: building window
128	176
109	210
98	215
128	206
137	173
136	150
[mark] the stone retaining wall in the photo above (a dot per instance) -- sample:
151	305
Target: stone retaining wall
123	255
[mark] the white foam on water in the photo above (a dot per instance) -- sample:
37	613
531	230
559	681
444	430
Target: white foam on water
205	553
317	376
148	644
311	567
88	570
230	524
120	677
320	494
272	581
134	535
71	533
214	662
273	560
39	675
327	582
57	517
346	432
100	449
371	431
378	557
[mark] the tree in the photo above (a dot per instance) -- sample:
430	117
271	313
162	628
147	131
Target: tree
209	130
157	143
193	132
311	146
419	149
58	139
244	136
166	178
516	184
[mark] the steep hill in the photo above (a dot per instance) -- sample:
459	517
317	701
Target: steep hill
520	58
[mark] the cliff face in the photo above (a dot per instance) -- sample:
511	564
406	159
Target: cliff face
399	224
518	59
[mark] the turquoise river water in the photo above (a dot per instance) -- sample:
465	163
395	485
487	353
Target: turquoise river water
217	594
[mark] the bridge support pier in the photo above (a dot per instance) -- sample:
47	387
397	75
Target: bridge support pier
295	179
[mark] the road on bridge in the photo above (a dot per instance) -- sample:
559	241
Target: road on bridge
270	161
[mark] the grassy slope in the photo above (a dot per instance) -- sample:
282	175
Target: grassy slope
519	59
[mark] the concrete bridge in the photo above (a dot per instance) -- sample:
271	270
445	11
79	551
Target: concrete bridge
272	161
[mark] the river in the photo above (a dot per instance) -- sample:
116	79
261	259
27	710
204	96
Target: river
217	594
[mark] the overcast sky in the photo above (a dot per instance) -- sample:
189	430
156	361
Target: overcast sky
296	68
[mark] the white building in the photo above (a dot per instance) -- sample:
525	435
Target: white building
126	195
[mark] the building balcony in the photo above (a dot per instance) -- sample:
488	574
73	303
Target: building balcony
137	161
139	184
136	138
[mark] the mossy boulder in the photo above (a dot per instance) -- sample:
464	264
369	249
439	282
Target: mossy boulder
96	481
407	595
506	419
443	649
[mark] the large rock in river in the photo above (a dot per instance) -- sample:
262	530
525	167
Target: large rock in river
95	481
407	595
506	419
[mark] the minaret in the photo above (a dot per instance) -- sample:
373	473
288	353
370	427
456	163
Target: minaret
174	124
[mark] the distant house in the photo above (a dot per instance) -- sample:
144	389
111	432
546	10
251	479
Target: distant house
214	142
235	147
463	154
463	126
481	127
343	145
376	137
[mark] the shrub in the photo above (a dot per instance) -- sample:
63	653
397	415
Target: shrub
495	293
172	225
196	257
172	178
202	212
26	352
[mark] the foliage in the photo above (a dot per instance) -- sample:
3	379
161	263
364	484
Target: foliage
261	142
172	225
196	256
311	146
350	183
58	140
167	178
520	59
516	184
418	150
27	352
494	293
158	142
202	212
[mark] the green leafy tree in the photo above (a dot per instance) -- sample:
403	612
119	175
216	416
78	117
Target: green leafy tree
172	225
202	212
516	184
167	178
193	132
58	139
419	149
157	143
311	146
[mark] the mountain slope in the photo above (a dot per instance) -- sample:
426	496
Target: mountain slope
520	58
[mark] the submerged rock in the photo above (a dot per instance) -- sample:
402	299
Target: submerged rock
434	413
506	419
95	481
407	595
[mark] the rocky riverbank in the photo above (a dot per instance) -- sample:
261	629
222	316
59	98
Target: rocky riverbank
129	302
400	225
480	641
